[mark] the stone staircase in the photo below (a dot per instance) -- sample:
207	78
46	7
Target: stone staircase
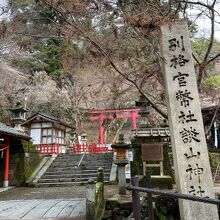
64	171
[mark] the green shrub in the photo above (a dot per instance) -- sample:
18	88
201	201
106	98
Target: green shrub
212	81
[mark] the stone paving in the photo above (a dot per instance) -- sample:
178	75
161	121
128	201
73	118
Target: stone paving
57	197
24	193
46	203
70	192
42	208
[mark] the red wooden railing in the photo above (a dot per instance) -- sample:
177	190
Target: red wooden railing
90	148
48	149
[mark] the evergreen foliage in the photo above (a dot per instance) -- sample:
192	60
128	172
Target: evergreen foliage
213	82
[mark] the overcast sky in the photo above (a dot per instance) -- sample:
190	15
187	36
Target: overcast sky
2	2
204	23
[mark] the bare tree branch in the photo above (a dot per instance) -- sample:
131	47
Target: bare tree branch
197	61
194	3
205	62
106	55
213	58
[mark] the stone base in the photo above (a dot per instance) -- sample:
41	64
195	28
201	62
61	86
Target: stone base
121	162
162	182
118	207
5	183
122	190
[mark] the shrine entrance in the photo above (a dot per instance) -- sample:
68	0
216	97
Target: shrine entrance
10	142
4	161
102	115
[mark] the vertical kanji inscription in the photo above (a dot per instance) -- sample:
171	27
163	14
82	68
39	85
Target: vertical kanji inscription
191	161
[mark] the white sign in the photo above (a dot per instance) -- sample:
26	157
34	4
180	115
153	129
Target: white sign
129	156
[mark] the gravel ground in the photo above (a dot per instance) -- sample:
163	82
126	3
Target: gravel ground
20	193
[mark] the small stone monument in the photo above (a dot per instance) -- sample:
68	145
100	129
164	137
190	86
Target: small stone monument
95	202
121	161
191	161
99	195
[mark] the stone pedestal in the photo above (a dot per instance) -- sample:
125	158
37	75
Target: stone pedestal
5	184
121	175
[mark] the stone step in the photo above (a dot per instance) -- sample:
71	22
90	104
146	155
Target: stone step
79	175
95	162
98	159
66	180
84	161
67	160
75	171
54	169
87	158
69	155
86	155
64	165
62	184
64	170
70	166
104	155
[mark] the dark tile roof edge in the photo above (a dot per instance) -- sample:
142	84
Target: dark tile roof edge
6	130
49	118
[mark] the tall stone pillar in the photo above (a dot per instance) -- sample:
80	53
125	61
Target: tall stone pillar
190	153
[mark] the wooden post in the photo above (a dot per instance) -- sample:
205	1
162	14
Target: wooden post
136	199
99	195
149	197
6	164
134	119
101	130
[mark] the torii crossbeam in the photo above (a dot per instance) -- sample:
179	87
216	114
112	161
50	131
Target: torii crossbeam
103	114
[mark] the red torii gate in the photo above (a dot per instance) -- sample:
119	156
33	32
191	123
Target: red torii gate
101	115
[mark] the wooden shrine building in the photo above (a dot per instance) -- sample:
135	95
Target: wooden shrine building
48	133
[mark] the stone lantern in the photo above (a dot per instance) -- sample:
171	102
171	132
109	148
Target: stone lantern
121	161
72	135
18	116
83	138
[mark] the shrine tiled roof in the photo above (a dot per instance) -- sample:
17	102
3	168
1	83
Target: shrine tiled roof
6	130
152	132
47	118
